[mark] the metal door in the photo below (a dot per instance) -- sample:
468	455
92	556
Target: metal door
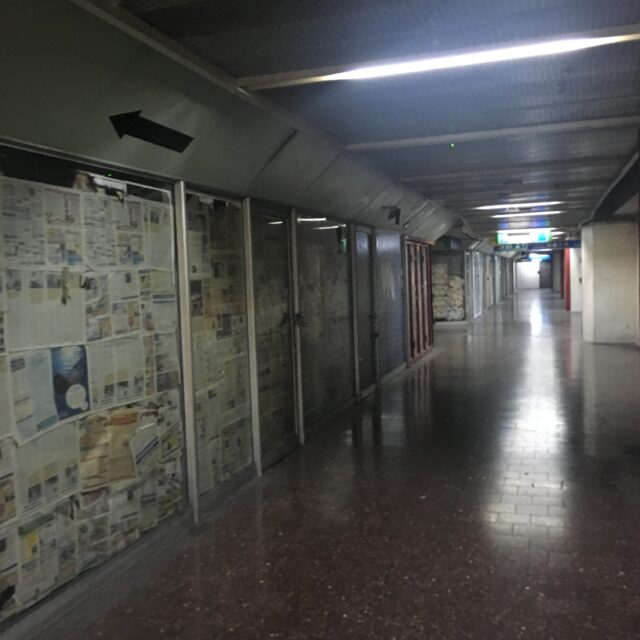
418	299
365	312
478	283
274	334
546	277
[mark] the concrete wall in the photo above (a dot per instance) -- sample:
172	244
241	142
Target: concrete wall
610	283
576	279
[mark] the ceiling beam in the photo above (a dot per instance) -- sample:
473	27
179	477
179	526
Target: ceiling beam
132	26
544	186
518	169
324	74
624	187
496	134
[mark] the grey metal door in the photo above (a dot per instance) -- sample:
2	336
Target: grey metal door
365	312
274	334
546	276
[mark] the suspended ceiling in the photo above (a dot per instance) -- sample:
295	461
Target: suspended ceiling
576	116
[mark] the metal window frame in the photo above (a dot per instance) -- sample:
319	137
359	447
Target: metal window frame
252	335
294	294
184	306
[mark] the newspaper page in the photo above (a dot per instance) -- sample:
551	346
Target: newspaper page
93	528
97	307
197	239
44	308
64	226
145	447
38	557
47	467
7	480
123	425
93	445
34	408
8	568
23	223
159	306
167	361
124	504
112	305
66	539
105	450
100	213
169	488
5	402
159	235
3	314
169	423
70	380
130	233
116	371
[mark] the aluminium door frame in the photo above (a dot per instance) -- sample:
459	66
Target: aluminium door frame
425	312
353	276
288	216
364	393
296	318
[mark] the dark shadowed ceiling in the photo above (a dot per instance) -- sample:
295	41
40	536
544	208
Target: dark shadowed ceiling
577	115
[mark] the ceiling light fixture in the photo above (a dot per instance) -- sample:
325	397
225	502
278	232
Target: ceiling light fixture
300	219
517	205
528	214
522	52
333	226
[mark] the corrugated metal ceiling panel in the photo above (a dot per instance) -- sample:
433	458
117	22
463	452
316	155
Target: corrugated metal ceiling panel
249	37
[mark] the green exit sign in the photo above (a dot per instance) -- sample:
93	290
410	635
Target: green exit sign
521	236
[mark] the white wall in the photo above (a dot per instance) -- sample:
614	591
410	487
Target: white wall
575	256
528	276
610	283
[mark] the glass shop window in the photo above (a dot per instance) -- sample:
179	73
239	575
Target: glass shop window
91	431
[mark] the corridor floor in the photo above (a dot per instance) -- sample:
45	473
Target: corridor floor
493	491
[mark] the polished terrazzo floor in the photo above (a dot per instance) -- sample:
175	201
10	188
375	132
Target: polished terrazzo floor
491	492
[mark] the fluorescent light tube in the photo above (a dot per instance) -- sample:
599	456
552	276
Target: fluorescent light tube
518	205
529	214
522	52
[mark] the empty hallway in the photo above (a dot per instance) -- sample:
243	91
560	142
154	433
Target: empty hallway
492	491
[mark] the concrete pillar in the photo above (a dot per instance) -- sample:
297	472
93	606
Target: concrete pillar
575	258
610	286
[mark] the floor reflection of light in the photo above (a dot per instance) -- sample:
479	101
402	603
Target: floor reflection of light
529	470
535	318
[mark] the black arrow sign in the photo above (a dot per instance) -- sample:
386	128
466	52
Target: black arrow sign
134	125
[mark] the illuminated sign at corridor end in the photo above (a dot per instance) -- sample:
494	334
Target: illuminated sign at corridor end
524	236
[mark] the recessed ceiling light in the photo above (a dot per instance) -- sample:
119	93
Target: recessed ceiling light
518	205
301	219
528	214
553	47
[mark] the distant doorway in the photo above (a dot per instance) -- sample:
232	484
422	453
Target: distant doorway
546	275
528	276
